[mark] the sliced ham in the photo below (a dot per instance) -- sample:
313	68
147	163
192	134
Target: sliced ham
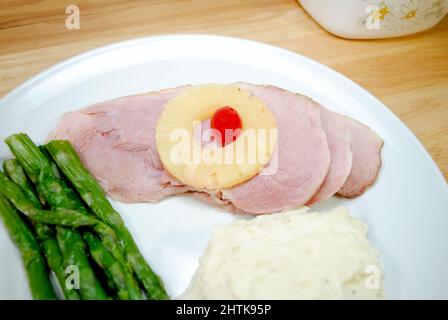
115	140
303	156
366	148
339	140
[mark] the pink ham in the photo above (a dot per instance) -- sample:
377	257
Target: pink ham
366	151
303	156
115	141
339	139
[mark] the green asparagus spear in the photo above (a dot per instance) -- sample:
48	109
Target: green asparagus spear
56	263
51	189
15	172
76	202
72	219
34	262
59	217
123	281
68	161
73	251
44	233
54	166
107	235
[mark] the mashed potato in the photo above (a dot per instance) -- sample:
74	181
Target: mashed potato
292	255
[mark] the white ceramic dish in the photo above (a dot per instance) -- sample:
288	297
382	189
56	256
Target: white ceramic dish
371	19
407	209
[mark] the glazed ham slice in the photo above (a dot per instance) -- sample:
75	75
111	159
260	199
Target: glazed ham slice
339	143
303	156
366	148
115	140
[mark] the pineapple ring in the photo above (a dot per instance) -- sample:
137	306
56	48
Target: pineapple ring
214	168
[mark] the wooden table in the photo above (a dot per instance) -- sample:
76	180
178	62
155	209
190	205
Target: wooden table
409	74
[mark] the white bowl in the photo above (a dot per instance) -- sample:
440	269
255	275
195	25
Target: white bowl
370	19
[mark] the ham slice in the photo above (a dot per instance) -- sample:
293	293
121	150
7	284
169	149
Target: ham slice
303	156
339	143
115	140
366	148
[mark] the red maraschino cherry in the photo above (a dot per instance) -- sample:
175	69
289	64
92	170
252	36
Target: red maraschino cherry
226	118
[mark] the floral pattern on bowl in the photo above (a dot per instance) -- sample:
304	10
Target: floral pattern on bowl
410	13
369	19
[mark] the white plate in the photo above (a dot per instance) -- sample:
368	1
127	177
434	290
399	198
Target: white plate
407	209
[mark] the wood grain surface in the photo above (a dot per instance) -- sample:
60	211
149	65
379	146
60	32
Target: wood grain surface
408	74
